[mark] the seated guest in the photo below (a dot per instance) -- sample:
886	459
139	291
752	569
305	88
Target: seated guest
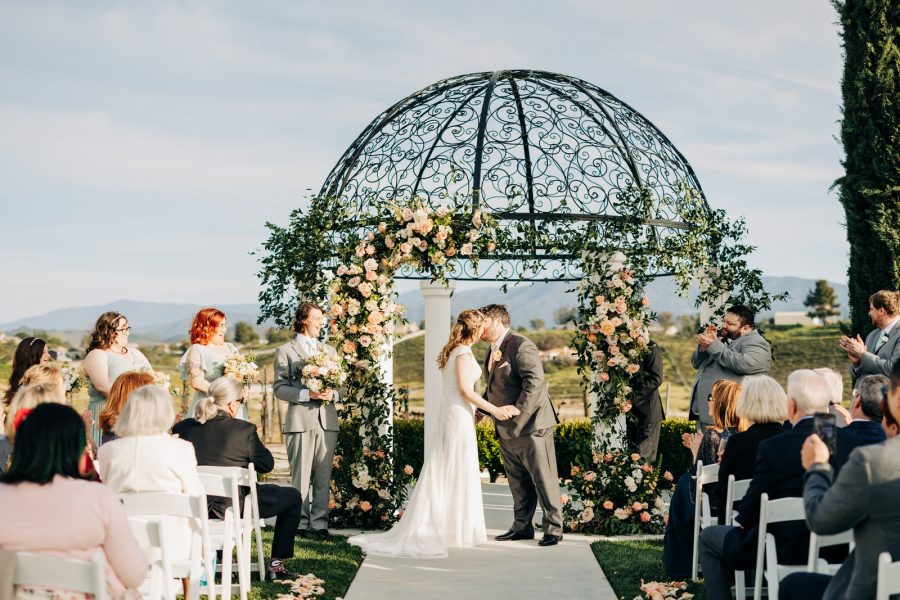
44	374
143	457
48	507
121	388
865	409
778	473
763	405
862	497
836	383
220	440
26	399
677	544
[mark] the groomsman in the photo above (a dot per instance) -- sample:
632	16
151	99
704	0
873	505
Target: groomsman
311	423
881	350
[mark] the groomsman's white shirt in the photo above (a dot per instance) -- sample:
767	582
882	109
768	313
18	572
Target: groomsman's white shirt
310	345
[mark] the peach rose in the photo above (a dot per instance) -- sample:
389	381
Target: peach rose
645	517
408	470
608	505
637	506
365	506
635	456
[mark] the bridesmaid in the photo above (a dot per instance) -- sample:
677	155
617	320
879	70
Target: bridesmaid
107	357
203	362
30	351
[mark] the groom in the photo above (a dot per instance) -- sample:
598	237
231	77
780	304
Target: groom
515	379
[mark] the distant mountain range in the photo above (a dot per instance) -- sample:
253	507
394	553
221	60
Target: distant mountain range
155	321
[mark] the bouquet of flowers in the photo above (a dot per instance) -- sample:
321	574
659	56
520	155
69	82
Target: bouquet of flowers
73	380
321	371
160	379
242	368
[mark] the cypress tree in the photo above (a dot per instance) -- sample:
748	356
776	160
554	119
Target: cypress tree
870	132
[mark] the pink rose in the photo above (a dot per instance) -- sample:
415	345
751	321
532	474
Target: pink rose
590	476
608	505
365	506
668	476
604	377
645	517
408	470
637	506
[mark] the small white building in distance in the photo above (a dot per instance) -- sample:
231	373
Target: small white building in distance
794	317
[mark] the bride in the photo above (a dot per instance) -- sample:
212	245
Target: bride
445	507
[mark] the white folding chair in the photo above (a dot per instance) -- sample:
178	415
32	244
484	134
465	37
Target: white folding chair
46	570
771	512
814	564
148	532
251	523
888	577
225	534
195	512
706	474
735	492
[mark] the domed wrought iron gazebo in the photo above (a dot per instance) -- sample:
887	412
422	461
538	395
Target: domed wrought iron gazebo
548	155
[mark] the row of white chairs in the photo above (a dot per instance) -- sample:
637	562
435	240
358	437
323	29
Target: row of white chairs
776	511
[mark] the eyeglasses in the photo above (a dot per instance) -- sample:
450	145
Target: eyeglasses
126	329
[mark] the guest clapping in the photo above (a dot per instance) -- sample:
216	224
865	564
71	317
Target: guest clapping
204	361
47	506
108	356
30	351
221	440
881	350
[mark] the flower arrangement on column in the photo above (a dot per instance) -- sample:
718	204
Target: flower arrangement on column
367	488
617	493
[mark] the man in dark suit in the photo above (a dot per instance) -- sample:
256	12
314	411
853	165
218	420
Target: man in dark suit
515	382
223	441
865	410
779	473
642	427
862	497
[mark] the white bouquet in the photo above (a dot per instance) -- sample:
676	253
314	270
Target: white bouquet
160	380
73	380
242	368
322	371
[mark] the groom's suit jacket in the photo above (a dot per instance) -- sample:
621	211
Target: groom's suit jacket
879	362
518	378
301	415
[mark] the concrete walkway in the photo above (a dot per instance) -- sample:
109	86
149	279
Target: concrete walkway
520	570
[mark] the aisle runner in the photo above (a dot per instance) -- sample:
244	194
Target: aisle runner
520	570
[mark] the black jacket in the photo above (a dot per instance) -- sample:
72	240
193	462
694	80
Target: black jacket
646	404
740	457
779	473
225	442
866	432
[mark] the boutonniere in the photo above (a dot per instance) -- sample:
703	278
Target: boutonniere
495	355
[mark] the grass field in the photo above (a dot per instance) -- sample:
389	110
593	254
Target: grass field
628	562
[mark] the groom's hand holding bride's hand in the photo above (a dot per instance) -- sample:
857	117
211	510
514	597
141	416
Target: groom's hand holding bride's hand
506	412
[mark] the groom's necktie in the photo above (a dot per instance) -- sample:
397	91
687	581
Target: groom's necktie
491	360
882	340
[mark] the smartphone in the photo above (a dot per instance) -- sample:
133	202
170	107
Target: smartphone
825	427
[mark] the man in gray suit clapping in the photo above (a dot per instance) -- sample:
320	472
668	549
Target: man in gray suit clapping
881	350
311	424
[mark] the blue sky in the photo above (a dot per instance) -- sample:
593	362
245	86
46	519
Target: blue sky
144	144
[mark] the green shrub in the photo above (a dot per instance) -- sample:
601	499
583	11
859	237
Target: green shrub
672	455
409	443
488	448
573	445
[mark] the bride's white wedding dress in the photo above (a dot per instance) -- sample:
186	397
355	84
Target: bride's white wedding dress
444	510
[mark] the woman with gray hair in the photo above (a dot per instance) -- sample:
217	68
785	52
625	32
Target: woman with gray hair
146	458
221	440
763	404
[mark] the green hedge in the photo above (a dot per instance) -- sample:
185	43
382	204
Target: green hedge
572	439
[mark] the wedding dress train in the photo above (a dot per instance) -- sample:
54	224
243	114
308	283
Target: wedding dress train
445	509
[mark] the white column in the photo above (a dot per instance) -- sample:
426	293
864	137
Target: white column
437	331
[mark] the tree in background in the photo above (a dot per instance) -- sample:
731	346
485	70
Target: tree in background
565	315
822	301
870	132
244	333
537	324
665	319
278	336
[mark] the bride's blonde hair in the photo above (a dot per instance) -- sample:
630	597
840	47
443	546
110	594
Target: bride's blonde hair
464	331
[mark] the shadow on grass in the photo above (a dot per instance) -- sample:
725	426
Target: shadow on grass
627	562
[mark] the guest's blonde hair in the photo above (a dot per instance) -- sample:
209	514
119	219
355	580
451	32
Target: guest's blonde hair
27	397
147	411
762	400
723	405
464	331
42	374
222	392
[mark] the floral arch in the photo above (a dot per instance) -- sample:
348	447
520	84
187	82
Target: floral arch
506	176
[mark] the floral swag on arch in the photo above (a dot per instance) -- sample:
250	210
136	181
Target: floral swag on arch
613	491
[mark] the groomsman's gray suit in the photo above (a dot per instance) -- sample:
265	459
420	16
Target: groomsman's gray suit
750	354
310	431
526	441
878	359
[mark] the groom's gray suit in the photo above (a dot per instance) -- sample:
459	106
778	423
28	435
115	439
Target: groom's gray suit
526	441
310	431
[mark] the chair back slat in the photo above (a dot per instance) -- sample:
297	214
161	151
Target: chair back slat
888	577
45	570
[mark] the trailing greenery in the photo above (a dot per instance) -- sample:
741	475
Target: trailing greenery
626	563
870	132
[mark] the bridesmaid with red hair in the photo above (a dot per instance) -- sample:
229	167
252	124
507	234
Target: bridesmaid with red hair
204	361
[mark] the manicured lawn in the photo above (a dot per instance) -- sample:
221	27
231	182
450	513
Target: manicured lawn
333	560
627	562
